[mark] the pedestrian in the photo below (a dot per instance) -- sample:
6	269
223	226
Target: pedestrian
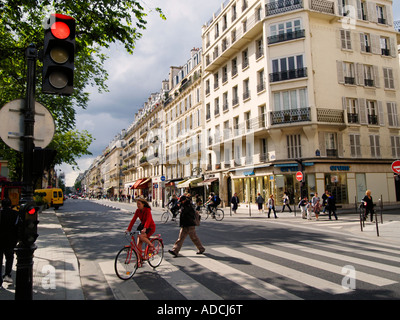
235	202
286	201
316	205
325	200
331	206
188	227
302	205
147	226
369	205
271	205
260	202
8	239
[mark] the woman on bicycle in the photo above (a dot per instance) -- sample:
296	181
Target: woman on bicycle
147	225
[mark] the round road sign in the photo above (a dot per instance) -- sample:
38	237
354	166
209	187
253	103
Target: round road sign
396	167
299	176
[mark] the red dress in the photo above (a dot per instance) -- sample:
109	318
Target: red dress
146	220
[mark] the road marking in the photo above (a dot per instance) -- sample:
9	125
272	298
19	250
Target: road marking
298	276
348	259
365	277
261	288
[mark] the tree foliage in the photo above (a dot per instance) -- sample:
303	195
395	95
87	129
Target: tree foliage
99	23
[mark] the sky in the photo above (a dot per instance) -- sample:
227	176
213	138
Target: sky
132	78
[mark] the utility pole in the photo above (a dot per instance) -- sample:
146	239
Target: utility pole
25	249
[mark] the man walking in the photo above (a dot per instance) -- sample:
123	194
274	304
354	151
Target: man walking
188	227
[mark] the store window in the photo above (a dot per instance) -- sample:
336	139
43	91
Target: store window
336	184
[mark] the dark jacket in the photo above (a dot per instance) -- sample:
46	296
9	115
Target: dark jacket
8	228
188	215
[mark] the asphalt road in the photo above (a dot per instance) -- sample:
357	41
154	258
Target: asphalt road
245	259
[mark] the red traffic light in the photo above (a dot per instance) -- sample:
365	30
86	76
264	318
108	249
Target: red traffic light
60	30
32	211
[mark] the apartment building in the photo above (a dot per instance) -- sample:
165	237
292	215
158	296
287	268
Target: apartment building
301	84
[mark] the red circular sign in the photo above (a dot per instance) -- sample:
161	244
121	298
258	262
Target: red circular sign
396	166
299	176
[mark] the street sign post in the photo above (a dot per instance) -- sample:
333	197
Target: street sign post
396	166
299	176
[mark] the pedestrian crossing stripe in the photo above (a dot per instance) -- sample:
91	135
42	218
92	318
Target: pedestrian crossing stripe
309	280
255	285
361	250
191	289
368	278
348	259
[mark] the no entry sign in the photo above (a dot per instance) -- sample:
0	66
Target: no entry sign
396	167
299	176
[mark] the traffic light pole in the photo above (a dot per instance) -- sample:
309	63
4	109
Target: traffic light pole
24	251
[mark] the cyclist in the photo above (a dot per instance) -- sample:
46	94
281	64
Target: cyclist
147	225
174	205
213	202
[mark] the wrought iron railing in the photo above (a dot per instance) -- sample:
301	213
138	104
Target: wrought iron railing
289	116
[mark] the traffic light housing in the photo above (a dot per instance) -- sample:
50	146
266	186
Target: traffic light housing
59	55
29	217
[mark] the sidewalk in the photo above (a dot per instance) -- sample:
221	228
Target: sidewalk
55	269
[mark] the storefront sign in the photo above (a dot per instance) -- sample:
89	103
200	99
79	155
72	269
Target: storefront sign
340	168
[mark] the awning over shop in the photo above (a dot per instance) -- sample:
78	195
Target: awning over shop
141	183
172	182
178	185
207	182
191	183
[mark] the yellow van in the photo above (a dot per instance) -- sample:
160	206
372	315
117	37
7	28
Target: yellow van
53	196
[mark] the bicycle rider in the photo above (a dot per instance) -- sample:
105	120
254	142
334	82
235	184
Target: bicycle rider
212	203
146	226
174	205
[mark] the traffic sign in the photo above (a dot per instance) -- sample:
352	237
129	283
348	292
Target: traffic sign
299	176
396	166
12	125
162	178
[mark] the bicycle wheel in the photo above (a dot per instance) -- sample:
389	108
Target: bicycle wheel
219	214
204	213
156	257
165	217
126	263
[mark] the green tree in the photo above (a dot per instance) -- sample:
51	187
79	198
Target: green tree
99	23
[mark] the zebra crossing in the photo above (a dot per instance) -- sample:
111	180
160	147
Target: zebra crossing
281	271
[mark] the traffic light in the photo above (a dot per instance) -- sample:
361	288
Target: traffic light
58	55
29	217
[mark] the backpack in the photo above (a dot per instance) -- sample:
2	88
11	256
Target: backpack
216	200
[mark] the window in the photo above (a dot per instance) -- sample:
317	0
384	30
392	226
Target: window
208	111
331	144
224	74
380	14
216	80
365	39
293	146
352	110
372	112
225	103
246	89
395	143
259	48
245	59
385	46
260	81
368	75
388	77
348	71
392	114
234	67
235	96
355	147
345	39
288	68
285	31
375	147
216	106
289	100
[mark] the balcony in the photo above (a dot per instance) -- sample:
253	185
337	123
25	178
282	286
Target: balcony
290	116
286	36
330	115
288	75
282	6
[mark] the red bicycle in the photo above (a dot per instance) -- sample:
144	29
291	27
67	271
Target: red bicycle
130	257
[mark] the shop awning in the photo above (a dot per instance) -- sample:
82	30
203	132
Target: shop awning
172	182
178	184
189	183
136	184
207	182
141	183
